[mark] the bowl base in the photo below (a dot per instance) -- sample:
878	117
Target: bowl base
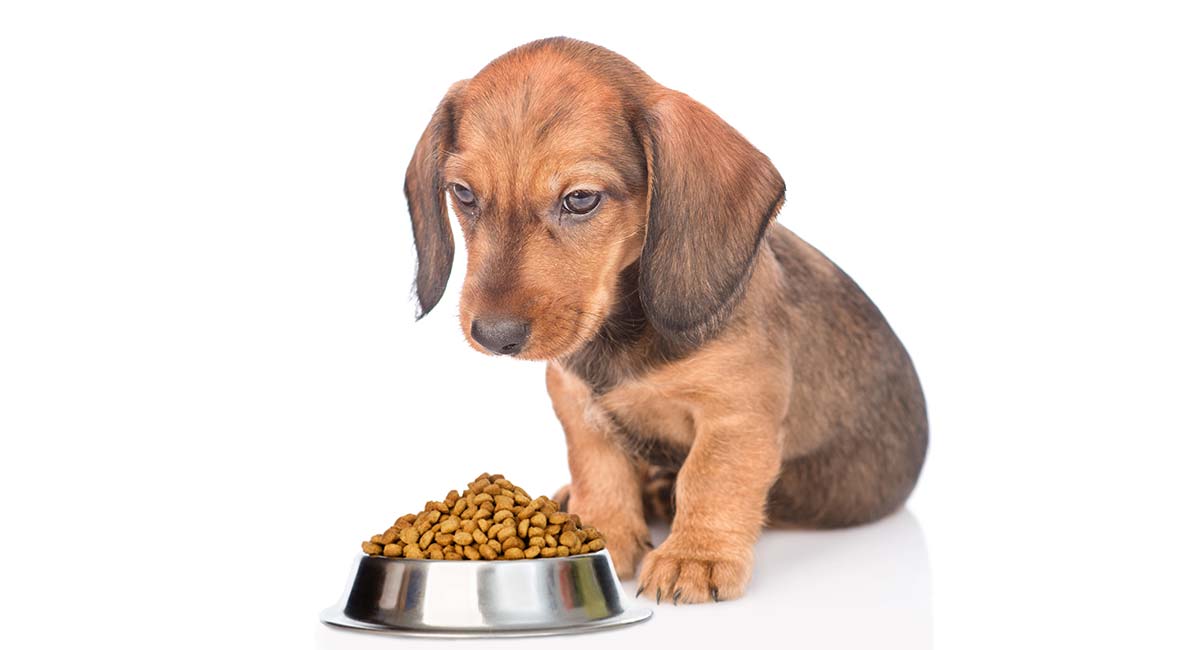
334	617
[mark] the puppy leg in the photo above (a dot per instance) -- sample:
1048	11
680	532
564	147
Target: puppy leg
720	496
605	489
658	493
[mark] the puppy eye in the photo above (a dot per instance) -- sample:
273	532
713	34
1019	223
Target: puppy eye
463	194
581	201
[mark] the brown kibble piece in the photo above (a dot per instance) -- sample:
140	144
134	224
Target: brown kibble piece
413	552
371	548
595	545
514	554
471	553
463	538
488	552
503	515
393	550
512	542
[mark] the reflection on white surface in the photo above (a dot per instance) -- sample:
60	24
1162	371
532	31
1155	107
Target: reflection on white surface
865	587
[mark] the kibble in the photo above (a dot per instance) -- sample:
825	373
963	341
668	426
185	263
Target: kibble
492	519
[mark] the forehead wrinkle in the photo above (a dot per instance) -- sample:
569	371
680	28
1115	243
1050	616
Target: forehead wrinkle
455	166
588	169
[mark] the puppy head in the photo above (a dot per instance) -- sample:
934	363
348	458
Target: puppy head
565	165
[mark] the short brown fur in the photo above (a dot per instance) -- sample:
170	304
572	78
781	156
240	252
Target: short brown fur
683	327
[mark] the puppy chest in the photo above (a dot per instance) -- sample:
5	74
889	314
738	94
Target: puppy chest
656	431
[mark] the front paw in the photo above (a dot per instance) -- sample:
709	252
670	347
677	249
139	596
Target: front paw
625	535
626	547
697	568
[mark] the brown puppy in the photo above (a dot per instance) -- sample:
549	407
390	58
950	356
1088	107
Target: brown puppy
624	233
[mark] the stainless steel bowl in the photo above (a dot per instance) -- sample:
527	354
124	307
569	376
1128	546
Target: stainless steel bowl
499	598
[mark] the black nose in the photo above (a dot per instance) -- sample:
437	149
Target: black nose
501	335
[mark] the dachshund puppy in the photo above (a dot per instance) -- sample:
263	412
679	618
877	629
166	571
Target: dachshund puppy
625	234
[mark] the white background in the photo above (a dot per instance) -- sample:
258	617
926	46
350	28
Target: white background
212	388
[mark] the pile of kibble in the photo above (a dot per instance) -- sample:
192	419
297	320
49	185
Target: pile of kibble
492	520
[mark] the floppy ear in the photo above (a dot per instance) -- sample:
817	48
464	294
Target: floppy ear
712	195
426	194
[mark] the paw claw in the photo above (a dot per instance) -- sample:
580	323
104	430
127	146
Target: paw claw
686	572
642	588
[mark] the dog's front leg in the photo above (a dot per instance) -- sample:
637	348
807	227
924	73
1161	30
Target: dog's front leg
605	488
720	496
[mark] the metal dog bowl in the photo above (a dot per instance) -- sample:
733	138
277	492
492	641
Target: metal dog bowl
561	595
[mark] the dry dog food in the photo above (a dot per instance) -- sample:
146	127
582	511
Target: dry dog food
492	520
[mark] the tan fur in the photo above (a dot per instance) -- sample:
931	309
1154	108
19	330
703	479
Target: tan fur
606	484
687	335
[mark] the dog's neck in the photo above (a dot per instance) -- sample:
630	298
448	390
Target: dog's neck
625	346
